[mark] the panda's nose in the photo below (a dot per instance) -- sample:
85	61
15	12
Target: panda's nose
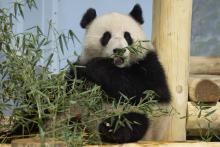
119	51
116	50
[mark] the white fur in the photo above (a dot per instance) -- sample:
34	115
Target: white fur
116	24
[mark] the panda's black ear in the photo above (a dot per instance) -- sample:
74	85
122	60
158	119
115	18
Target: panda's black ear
88	17
136	13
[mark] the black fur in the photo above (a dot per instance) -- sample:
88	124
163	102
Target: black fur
128	38
105	38
147	74
138	126
88	17
136	13
132	81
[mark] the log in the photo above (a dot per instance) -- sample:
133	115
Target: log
35	142
204	88
171	38
205	65
214	78
200	121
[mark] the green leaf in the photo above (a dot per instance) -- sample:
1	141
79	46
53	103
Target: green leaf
17	41
10	19
41	42
61	44
73	35
200	112
29	3
49	60
23	42
34	4
15	8
65	41
39	31
210	113
20	10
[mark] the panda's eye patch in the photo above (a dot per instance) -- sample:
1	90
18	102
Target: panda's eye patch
105	38
128	38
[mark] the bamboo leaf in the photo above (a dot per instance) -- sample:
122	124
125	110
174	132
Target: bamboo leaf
61	44
15	8
41	42
73	35
39	31
29	3
10	18
20	10
49	60
210	113
65	41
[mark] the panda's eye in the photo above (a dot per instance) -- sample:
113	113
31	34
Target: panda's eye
128	38
105	38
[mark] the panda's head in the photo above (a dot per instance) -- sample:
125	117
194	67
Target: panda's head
109	34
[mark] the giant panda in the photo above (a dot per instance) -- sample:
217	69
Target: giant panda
130	74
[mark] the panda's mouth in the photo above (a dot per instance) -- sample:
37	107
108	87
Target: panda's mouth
118	61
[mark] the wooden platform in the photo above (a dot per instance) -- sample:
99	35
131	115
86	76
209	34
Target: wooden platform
151	144
165	144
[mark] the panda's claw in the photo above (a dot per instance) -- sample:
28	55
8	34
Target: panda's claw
107	125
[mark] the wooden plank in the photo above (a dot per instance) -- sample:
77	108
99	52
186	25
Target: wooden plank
204	88
199	122
35	142
154	144
171	38
5	145
205	65
164	144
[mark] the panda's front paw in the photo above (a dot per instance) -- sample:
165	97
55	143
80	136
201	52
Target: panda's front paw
109	132
130	127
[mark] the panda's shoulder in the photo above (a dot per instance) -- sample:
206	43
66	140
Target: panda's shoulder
151	58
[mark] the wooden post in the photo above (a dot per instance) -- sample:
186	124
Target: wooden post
171	38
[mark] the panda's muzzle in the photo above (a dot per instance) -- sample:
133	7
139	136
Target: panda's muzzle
118	56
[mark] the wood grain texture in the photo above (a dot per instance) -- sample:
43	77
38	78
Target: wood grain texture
35	142
152	144
164	144
204	88
171	38
205	65
199	122
5	145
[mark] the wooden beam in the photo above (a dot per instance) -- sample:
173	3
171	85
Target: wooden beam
204	88
171	38
164	144
200	121
205	65
5	145
35	142
214	78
